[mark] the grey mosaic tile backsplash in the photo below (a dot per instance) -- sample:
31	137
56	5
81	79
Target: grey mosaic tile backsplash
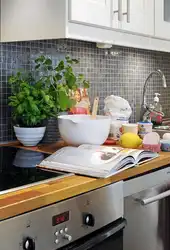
119	71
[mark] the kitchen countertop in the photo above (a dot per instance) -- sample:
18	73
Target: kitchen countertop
28	199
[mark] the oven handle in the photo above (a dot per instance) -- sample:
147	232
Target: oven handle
155	198
101	236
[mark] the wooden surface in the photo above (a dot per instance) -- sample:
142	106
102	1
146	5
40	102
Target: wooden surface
25	200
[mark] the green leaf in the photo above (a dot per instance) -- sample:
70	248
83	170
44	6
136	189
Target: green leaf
70	79
60	66
71	103
18	74
34	108
50	68
46	98
57	77
26	91
80	77
86	84
20	109
63	100
48	61
40	59
21	96
75	61
38	84
35	93
12	79
37	66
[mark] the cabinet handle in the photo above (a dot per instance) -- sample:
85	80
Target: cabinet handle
155	198
120	14
128	11
119	11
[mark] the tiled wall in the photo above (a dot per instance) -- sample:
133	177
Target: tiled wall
120	72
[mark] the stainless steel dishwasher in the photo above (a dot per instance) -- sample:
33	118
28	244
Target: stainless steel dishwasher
147	211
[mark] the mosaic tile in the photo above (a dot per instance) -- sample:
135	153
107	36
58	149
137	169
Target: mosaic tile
119	71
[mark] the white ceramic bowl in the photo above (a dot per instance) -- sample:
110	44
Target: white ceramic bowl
81	129
29	136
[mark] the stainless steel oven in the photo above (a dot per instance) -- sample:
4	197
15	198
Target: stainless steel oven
93	220
109	237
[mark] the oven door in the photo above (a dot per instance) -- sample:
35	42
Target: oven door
109	237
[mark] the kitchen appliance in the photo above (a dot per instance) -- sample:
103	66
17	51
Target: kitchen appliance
93	221
18	169
147	211
82	129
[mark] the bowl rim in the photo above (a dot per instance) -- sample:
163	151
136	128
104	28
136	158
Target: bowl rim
67	117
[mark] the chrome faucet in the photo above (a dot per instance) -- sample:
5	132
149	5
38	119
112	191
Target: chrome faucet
144	105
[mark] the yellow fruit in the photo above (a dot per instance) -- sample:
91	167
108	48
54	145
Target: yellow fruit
130	140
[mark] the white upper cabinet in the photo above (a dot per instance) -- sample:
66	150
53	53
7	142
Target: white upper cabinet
137	16
23	20
94	12
133	23
162	18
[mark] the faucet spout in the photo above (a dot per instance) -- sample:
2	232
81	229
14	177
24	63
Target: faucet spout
163	79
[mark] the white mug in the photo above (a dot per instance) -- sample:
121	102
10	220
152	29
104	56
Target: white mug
130	128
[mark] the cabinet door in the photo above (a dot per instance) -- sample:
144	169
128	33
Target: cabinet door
97	12
162	18
138	16
32	19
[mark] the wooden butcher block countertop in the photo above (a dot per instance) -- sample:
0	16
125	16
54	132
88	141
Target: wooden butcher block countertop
28	199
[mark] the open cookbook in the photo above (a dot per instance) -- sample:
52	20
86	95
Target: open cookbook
96	161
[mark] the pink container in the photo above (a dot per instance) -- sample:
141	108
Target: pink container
150	147
78	111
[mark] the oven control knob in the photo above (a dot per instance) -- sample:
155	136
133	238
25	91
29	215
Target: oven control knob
28	244
88	220
67	237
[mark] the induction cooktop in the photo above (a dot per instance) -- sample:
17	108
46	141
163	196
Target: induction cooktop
18	169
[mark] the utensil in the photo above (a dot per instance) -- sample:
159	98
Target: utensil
81	129
95	108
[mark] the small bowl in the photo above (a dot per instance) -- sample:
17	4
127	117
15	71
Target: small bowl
165	145
152	147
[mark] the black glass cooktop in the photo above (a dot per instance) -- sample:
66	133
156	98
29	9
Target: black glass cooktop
18	168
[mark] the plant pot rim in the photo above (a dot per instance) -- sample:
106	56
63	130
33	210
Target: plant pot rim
29	127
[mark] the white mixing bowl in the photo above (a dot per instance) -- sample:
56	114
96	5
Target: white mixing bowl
81	129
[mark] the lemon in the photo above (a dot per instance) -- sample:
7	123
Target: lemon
130	140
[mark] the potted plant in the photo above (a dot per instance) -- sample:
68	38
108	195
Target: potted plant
36	98
31	104
61	81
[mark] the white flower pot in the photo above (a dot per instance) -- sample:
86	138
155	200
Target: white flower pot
29	136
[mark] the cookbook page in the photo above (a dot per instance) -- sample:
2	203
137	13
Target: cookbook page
88	158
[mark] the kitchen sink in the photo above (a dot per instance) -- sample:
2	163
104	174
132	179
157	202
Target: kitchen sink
164	128
161	132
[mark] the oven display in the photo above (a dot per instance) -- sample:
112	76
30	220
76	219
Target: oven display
60	218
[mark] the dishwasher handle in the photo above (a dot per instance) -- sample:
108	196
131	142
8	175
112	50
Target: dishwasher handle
155	198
